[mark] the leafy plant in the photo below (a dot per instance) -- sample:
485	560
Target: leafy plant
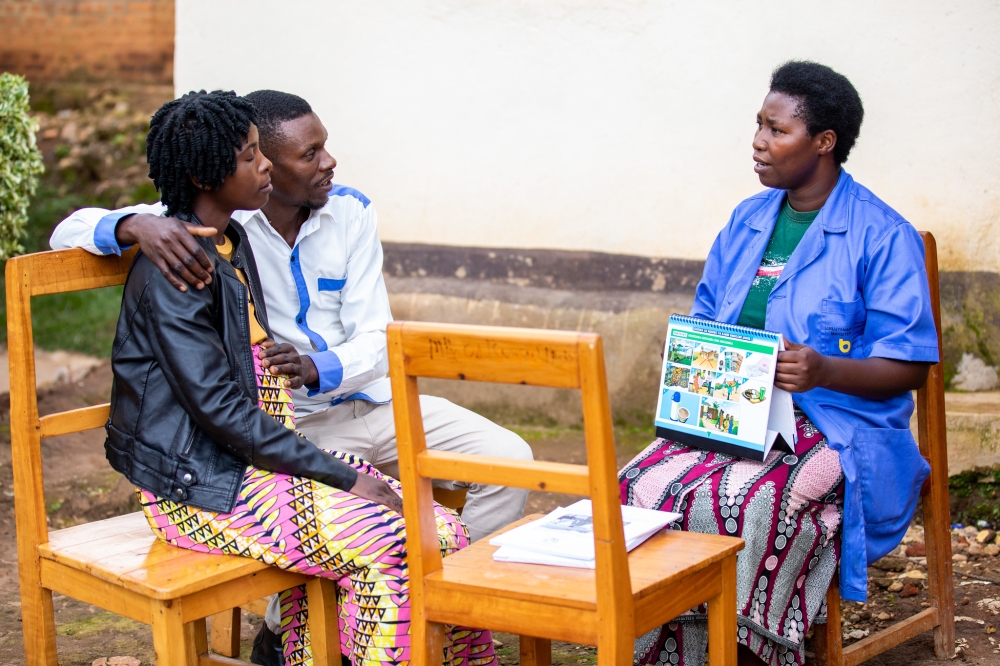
20	162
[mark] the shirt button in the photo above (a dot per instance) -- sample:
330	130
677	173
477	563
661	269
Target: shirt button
186	478
179	493
299	319
293	257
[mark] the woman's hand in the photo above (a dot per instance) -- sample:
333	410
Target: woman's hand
378	491
283	359
800	368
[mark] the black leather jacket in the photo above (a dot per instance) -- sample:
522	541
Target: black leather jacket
184	419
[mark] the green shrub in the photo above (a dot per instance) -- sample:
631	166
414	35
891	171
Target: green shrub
20	162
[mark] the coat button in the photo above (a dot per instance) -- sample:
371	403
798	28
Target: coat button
186	478
179	493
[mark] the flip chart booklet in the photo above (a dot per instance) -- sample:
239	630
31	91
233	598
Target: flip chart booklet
718	389
565	537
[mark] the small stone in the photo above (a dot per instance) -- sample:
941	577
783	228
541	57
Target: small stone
884	616
966	601
975	549
895	587
970	531
958	557
890	563
497	644
916	550
925	604
915	574
100	661
884	582
909	591
123	661
991	549
985	536
855	617
858	634
990	629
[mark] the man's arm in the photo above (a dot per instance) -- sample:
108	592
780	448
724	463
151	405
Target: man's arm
167	241
364	312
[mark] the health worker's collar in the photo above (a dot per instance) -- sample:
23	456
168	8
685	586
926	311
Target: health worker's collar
765	217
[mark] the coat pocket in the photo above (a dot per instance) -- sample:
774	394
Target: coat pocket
842	328
891	472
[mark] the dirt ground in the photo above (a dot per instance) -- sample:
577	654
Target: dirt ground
80	487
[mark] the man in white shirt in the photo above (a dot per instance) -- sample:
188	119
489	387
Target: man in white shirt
320	262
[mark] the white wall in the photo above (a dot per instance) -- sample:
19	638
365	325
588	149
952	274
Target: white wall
614	125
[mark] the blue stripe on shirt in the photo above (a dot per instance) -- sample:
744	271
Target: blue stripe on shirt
301	318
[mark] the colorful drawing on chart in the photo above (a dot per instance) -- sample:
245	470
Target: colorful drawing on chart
732	361
728	387
719	416
706	357
702	382
677	376
680	351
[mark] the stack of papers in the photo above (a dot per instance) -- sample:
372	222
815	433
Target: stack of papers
565	537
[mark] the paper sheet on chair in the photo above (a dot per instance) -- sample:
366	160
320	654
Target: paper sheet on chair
565	537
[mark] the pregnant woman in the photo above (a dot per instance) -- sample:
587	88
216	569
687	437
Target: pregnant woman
823	261
203	425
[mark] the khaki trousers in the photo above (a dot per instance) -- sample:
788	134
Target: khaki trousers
369	431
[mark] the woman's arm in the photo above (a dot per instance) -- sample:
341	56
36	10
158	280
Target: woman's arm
801	368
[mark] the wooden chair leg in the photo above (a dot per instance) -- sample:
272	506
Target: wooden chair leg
174	643
827	638
37	620
324	626
426	640
722	617
225	638
536	651
937	535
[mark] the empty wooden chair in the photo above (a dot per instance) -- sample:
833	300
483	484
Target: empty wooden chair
117	564
626	596
932	436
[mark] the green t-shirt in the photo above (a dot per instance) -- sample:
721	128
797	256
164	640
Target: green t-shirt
791	226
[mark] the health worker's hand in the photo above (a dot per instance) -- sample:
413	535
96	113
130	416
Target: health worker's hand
800	368
283	359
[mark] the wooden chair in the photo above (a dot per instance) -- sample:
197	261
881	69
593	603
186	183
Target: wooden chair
118	564
629	593
932	436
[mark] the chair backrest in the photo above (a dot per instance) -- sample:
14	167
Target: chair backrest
37	275
931	427
559	359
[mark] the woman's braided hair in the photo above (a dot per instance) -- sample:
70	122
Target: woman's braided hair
197	135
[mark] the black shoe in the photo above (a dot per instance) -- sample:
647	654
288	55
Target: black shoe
267	648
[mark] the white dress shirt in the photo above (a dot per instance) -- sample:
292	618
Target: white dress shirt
325	295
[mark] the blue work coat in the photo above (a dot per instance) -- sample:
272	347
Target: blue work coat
854	287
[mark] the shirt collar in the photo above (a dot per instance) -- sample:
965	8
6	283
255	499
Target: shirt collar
311	225
832	222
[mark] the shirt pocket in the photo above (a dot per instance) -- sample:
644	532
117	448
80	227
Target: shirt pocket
842	328
329	291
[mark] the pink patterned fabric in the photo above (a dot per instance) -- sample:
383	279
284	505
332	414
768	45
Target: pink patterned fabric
788	510
301	525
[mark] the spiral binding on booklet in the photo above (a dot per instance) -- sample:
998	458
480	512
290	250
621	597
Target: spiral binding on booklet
719	327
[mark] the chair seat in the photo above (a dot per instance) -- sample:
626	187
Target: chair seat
124	552
666	563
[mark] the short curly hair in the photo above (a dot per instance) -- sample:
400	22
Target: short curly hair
827	101
197	135
274	108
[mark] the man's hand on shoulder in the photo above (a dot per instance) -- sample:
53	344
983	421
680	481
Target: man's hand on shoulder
170	245
284	359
